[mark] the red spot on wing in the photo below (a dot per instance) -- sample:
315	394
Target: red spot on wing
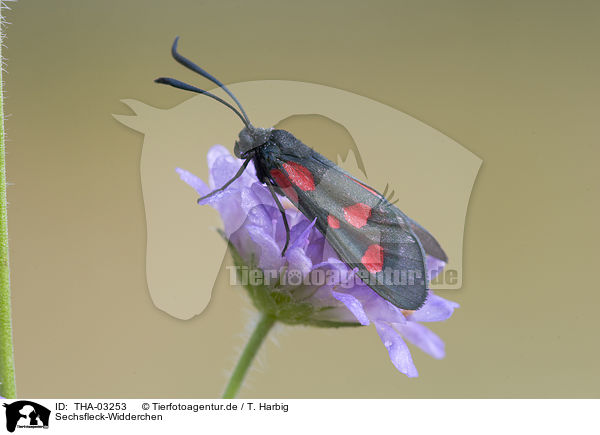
279	177
300	176
373	258
284	184
357	214
333	222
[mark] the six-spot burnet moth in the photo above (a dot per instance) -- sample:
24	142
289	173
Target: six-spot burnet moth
369	233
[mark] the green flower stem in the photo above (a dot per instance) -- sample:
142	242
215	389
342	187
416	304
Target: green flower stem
7	366
261	330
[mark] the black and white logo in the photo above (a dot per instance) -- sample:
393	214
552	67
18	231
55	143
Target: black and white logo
24	414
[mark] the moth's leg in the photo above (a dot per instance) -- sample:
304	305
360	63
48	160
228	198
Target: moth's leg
226	185
282	211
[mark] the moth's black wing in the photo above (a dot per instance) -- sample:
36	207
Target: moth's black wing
364	229
430	245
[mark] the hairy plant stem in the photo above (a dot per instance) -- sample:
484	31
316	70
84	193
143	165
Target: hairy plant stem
261	330
7	366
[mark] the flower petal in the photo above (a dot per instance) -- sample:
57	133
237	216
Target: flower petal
270	253
435	309
301	240
376	308
257	214
228	204
314	250
423	338
224	169
397	349
298	261
353	305
216	152
262	195
434	267
189	178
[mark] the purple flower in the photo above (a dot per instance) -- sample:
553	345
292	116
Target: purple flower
310	285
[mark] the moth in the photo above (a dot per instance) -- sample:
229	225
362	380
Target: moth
386	248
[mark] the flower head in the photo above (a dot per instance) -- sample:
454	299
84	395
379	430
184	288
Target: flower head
309	285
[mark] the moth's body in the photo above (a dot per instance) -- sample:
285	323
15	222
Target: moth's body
366	230
361	225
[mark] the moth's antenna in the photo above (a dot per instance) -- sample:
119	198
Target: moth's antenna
191	65
180	85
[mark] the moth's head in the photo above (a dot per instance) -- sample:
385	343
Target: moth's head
250	138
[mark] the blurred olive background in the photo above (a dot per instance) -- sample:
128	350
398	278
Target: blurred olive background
515	82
